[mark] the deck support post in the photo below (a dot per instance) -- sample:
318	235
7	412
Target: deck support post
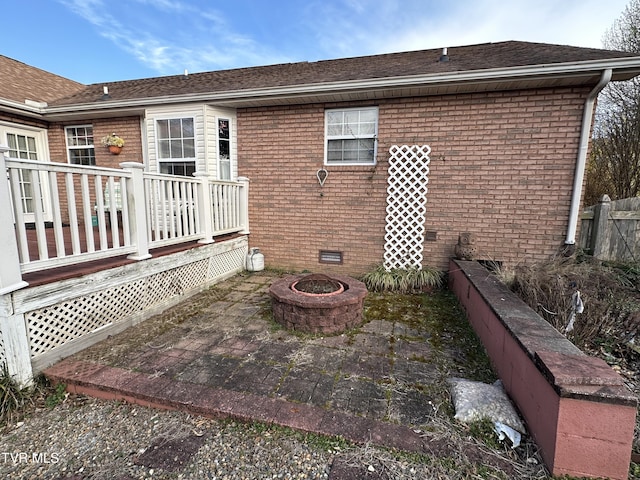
13	330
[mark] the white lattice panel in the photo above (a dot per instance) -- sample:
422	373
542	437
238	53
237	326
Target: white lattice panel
174	282
55	325
58	324
226	262
406	206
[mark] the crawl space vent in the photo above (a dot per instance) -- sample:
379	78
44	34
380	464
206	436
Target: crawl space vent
327	256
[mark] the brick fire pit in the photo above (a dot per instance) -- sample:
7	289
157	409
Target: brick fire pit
320	313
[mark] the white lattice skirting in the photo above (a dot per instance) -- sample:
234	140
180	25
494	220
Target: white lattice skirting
107	302
406	206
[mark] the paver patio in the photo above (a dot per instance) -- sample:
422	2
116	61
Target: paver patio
219	354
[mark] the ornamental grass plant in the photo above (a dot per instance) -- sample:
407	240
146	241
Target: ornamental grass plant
403	280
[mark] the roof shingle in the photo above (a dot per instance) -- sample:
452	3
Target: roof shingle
20	82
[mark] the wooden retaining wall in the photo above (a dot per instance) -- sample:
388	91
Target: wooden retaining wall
576	407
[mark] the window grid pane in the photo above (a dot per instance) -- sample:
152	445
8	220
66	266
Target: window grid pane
185	169
163	129
82	156
351	136
175	128
21	146
187	128
176	139
189	148
80	145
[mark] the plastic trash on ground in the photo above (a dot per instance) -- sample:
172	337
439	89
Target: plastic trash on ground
503	431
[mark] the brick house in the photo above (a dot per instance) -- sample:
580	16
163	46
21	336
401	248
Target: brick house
508	125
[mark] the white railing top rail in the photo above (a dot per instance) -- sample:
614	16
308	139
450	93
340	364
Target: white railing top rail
64	167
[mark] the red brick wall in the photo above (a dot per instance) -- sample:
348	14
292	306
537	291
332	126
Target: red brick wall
126	127
19	119
501	166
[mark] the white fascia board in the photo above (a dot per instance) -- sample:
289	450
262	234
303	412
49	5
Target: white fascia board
630	65
21	108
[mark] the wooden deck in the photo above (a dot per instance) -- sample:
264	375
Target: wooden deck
55	274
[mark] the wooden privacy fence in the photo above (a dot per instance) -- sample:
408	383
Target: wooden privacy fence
610	230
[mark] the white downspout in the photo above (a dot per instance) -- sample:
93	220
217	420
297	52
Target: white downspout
581	161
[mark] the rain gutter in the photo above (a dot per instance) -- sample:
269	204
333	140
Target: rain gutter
581	160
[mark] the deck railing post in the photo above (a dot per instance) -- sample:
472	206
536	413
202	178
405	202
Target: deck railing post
136	204
244	204
13	330
10	274
205	207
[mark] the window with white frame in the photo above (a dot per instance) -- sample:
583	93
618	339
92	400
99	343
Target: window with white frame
80	147
350	136
24	147
176	146
224	149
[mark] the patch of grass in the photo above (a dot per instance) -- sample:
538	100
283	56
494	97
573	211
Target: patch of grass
326	443
483	430
16	401
402	280
12	397
57	396
418	358
439	316
450	330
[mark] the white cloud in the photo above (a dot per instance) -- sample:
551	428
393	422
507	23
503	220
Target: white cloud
413	24
171	35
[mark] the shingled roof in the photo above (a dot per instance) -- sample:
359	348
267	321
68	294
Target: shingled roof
22	82
487	56
407	73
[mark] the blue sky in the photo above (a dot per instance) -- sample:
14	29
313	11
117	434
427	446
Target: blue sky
93	41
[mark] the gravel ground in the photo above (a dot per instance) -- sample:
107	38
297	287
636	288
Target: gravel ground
86	438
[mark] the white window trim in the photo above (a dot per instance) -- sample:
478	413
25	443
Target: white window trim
78	147
42	149
39	133
374	136
159	159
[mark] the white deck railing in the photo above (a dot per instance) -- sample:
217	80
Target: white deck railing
69	214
